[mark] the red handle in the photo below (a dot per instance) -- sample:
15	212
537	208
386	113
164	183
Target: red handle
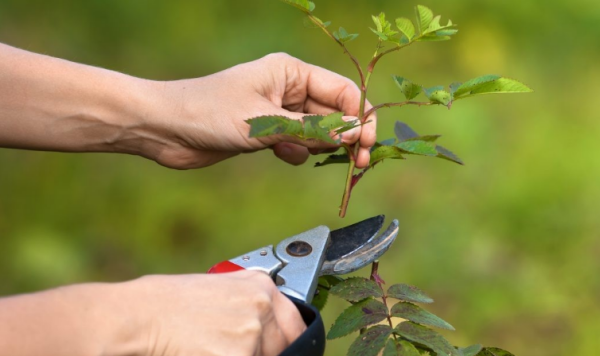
225	267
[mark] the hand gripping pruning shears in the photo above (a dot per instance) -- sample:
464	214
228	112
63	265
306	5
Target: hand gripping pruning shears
296	263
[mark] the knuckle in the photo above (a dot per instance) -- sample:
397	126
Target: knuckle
262	302
251	327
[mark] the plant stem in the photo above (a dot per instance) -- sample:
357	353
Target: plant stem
352	58
374	273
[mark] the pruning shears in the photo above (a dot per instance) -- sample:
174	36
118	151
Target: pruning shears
296	263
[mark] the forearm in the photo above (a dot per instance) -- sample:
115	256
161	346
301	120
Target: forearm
77	320
52	104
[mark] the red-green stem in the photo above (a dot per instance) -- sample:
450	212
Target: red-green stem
374	272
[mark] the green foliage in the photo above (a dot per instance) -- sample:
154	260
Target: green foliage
408	293
422	335
343	36
406	27
494	351
409	89
371	342
315	127
414	313
384	28
304	5
489	84
333	159
356	289
357	316
472	350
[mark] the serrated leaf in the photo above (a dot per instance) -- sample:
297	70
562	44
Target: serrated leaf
416	147
321	296
356	289
403	131
357	316
440	97
334	159
427	337
304	5
446	32
377	22
380	34
343	36
415	313
331	280
469	85
428	138
312	129
371	342
408	293
401	348
334	121
406	27
274	125
472	350
408	88
494	351
424	17
448	155
383	152
434	24
483	85
434	38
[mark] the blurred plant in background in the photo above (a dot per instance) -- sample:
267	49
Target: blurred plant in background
509	244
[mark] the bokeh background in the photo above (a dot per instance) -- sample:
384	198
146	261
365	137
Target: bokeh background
508	245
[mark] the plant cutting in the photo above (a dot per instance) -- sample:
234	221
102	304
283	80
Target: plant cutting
425	28
390	321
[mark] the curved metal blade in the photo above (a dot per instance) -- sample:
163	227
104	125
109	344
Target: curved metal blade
361	255
350	238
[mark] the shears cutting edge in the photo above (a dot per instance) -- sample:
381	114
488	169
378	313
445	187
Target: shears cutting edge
296	263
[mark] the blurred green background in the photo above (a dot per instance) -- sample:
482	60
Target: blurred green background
508	245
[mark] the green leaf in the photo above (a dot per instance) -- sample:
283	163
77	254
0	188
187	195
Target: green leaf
356	289
334	121
304	5
417	147
404	132
438	95
357	316
424	17
274	125
414	313
331	280
334	159
434	37
322	295
447	155
401	348
454	87
371	342
408	293
310	23
483	85
409	89
446	32
428	138
380	35
343	36
465	88
312	129
383	28
406	27
383	152
494	351
427	337
472	350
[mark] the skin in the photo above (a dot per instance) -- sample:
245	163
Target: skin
51	104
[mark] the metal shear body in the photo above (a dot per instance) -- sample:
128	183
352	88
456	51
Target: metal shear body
296	263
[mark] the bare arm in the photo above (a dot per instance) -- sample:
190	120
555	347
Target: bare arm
52	104
239	313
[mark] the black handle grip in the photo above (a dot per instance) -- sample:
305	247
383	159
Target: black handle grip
312	341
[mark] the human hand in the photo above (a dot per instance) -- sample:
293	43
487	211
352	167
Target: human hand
201	121
239	313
